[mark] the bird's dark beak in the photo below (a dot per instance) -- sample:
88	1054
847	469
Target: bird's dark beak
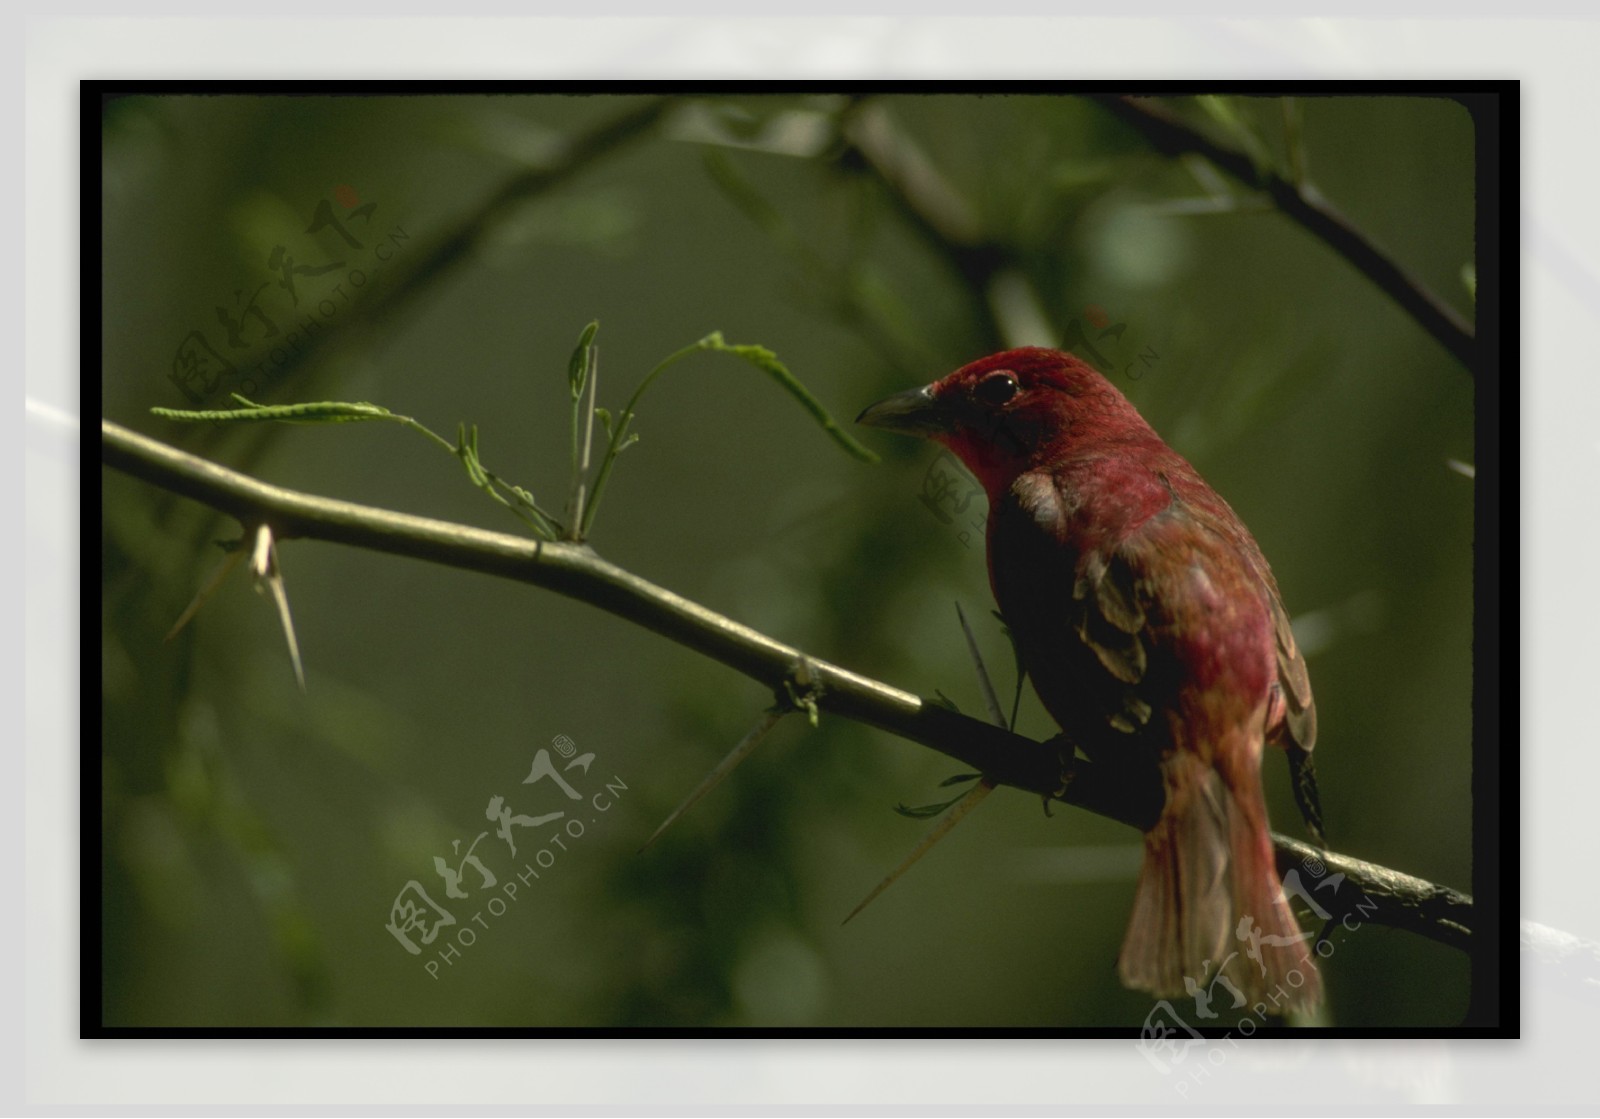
914	412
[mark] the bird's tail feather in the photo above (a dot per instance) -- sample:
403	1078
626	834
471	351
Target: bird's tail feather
1209	916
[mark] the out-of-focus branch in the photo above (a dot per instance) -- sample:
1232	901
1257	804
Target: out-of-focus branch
444	252
1302	204
1378	895
579	156
930	206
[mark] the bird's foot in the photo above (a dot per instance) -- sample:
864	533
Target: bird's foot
1067	760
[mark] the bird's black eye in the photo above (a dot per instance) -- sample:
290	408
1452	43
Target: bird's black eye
997	388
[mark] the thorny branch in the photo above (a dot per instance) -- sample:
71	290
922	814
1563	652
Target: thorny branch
1381	895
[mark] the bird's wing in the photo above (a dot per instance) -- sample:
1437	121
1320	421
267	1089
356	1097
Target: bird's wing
1080	614
1298	727
1100	614
1292	712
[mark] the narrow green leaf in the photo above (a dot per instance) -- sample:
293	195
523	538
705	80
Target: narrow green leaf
924	811
578	364
767	361
1222	110
465	449
324	412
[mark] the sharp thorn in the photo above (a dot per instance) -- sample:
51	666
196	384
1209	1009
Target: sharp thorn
265	565
282	599
229	562
990	700
940	829
726	766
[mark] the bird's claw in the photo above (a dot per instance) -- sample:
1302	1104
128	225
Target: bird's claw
1067	759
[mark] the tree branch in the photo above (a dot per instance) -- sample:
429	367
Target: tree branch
445	252
1380	896
930	206
1304	206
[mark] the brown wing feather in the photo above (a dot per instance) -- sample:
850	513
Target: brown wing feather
1110	618
1081	621
1296	732
1293	722
1299	726
1111	673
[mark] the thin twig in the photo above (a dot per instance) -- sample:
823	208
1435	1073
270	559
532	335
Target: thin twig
1301	204
1382	896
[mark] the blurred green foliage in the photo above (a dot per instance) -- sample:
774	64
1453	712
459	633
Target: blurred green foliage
256	838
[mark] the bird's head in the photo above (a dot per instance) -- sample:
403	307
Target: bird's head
1012	412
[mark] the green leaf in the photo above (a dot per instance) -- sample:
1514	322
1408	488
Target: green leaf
767	361
332	411
1222	110
759	356
922	812
325	412
467	449
578	364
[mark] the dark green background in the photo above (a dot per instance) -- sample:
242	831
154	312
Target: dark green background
254	837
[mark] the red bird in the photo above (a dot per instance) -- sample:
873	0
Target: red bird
1153	631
